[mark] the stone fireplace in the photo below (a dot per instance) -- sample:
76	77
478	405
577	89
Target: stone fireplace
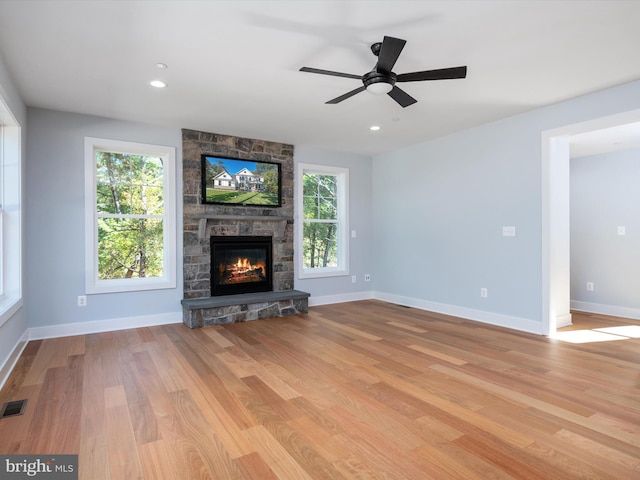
210	227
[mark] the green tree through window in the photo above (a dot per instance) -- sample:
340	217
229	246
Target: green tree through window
130	209
322	200
320	220
130	216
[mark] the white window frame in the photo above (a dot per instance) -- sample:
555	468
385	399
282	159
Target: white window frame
2	192
10	214
93	284
342	176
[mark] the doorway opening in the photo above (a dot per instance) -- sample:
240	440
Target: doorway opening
556	265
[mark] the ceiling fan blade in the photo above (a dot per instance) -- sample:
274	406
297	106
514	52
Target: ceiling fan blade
402	97
440	74
346	95
329	72
389	53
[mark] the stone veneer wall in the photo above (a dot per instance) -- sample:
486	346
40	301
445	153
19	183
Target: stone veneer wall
196	249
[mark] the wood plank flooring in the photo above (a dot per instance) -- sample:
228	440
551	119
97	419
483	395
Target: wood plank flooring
363	390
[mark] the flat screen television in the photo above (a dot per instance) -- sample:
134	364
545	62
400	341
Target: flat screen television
231	181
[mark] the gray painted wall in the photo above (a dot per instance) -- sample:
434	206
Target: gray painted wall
439	208
15	327
55	220
428	217
55	226
361	258
605	194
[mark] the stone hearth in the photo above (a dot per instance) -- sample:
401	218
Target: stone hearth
201	221
204	311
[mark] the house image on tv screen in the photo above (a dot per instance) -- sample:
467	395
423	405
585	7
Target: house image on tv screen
244	180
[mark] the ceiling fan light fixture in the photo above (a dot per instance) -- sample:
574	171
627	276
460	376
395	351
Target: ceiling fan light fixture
383	80
379	88
379	83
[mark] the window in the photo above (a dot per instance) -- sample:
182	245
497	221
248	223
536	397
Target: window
10	215
321	196
130	216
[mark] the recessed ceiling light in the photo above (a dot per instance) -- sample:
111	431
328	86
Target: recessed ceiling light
161	66
374	128
158	84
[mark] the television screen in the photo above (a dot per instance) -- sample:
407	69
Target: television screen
231	181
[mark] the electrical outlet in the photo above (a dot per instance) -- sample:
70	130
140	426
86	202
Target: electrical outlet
82	300
367	277
484	293
590	286
622	230
354	279
509	231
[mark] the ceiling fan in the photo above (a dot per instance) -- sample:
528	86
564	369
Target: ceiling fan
382	80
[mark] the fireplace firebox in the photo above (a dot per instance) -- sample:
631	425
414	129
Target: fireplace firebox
241	265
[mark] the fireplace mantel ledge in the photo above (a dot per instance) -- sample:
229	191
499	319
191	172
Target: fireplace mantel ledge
203	217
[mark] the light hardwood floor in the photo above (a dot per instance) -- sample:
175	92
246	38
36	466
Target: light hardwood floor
363	390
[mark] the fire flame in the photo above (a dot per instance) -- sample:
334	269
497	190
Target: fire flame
241	271
244	265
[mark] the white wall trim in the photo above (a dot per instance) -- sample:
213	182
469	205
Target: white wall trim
554	162
342	175
83	328
613	310
11	213
7	366
498	319
556	234
563	321
342	298
93	284
97	326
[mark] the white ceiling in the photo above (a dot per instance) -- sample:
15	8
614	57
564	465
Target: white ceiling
233	65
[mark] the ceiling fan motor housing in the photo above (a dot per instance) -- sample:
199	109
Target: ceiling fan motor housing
376	77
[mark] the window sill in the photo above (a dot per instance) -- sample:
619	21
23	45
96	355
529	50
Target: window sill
129	285
8	308
322	273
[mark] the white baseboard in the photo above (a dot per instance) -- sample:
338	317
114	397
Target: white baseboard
563	320
498	319
97	326
347	297
613	310
70	329
10	362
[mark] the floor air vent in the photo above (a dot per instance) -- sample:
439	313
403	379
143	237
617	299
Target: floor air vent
11	409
